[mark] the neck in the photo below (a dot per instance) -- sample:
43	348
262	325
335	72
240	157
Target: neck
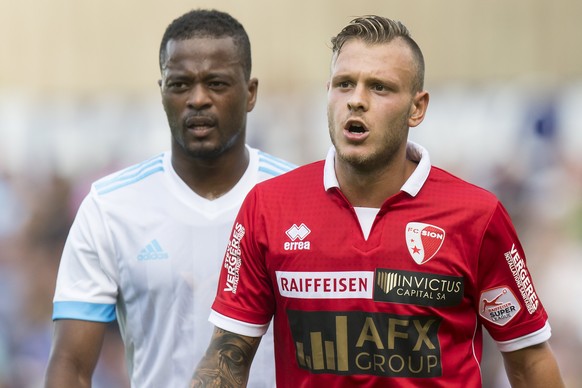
212	178
371	188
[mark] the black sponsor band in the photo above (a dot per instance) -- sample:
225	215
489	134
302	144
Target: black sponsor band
417	288
360	343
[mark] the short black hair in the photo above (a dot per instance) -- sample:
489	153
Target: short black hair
205	23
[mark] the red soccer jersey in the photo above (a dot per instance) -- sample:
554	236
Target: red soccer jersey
404	308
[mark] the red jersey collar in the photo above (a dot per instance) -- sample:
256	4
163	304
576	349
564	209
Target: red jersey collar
413	184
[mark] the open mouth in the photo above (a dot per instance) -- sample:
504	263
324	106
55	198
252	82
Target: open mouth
356	128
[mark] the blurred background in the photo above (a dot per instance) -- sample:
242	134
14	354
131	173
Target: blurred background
79	99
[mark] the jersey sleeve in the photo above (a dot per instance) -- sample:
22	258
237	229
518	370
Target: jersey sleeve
508	304
244	303
86	286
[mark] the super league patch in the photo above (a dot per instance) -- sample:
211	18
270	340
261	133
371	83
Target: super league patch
498	305
423	241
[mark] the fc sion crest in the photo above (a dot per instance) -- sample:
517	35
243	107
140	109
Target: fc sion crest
423	241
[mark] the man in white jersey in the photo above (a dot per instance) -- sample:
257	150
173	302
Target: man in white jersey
147	243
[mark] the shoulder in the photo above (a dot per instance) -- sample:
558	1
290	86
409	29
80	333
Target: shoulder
290	191
130	177
308	171
308	178
452	188
270	166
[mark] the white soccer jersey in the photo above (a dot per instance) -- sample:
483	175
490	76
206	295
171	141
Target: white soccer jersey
148	250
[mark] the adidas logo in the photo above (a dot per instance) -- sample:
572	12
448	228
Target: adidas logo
152	251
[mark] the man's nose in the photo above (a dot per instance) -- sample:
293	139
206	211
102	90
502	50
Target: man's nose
198	97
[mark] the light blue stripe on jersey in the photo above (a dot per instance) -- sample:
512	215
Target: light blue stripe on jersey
131	175
272	165
84	311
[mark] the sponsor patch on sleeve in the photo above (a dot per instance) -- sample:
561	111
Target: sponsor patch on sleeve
498	305
522	279
232	259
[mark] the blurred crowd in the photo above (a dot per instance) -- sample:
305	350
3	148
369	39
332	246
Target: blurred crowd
34	222
529	158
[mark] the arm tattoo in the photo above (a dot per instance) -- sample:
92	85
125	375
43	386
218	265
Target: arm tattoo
227	361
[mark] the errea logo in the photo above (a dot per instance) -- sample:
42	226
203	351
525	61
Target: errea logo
297	233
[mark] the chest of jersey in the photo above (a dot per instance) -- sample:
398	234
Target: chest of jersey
386	306
412	257
377	306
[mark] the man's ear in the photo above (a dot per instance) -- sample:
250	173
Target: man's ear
252	90
418	108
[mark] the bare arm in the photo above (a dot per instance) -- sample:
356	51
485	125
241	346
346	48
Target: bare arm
74	354
531	367
227	361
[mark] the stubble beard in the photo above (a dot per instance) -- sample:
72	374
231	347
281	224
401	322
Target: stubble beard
199	150
215	152
378	157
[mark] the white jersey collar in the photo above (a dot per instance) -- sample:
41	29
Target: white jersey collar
413	184
232	198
